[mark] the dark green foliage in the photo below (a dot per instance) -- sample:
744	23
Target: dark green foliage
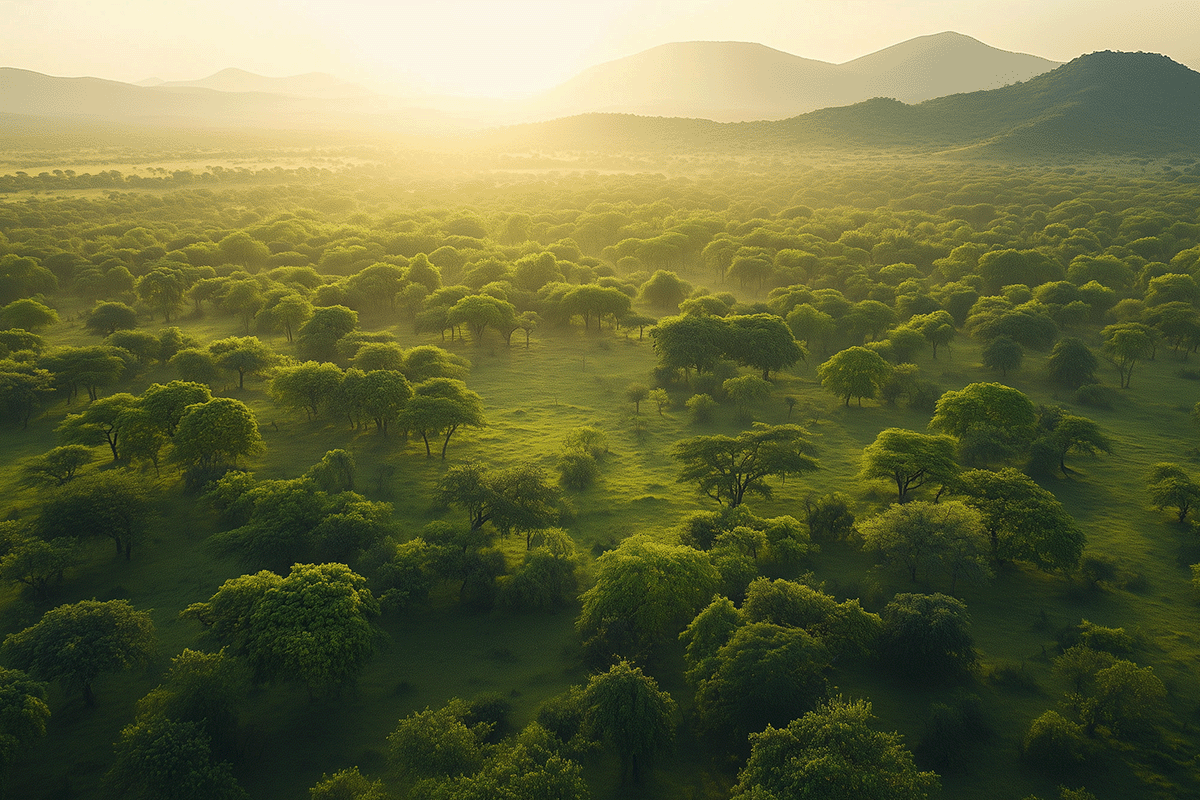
438	744
952	731
1170	486
23	715
1002	354
275	621
854	372
77	643
829	517
161	758
115	506
106	318
1023	521
347	784
726	468
627	711
1055	744
547	577
828	754
645	591
202	688
926	638
1072	364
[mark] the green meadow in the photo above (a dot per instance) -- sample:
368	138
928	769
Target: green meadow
849	222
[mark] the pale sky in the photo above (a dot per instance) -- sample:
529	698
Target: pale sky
515	47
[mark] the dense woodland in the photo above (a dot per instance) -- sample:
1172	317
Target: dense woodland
371	474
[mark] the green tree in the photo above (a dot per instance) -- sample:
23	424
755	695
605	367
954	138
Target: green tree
629	713
911	459
727	467
438	744
644	593
57	466
518	499
163	288
165	759
347	784
1023	521
115	506
243	355
312	627
1072	364
948	536
386	392
317	339
636	393
103	421
79	642
766	673
854	372
745	391
691	342
1002	354
90	367
439	407
38	563
290	313
203	688
108	317
165	404
828	754
23	715
311	386
763	342
991	421
665	290
1067	433
926	637
215	434
27	315
1125	345
480	312
23	390
1171	487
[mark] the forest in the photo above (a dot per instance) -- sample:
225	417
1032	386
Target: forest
374	473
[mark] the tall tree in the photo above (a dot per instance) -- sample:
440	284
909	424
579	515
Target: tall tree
629	713
439	407
854	372
911	459
77	643
727	467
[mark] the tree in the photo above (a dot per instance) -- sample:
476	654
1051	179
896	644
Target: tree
27	315
347	784
828	754
1002	354
203	688
317	339
103	421
1023	521
108	317
312	627
911	459
1122	697
23	389
628	712
727	467
77	643
691	342
165	759
385	393
636	393
89	367
1072	364
195	365
854	372
926	637
311	386
290	313
1171	487
766	673
991	421
745	391
165	404
58	466
480	312
922	535
163	287
440	406
23	715
38	563
1066	433
1125	345
645	591
115	506
242	354
763	342
215	434
665	290
518	499
438	744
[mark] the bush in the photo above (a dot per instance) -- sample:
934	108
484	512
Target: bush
950	730
701	407
1055	744
1096	395
577	470
926	637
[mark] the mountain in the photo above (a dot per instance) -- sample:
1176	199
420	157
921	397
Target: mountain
1103	103
739	81
312	84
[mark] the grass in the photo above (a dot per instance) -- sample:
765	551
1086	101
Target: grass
532	397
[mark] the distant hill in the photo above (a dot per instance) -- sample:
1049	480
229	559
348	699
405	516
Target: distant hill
312	84
1103	103
739	81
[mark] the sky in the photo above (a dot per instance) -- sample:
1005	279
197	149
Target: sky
511	48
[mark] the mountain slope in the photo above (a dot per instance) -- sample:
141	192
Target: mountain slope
739	81
1103	103
312	84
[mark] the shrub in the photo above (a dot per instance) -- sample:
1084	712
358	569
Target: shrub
1055	744
1096	395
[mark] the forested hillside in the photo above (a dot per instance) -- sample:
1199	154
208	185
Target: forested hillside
364	474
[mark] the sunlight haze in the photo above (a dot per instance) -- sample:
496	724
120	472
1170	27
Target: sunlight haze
480	47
